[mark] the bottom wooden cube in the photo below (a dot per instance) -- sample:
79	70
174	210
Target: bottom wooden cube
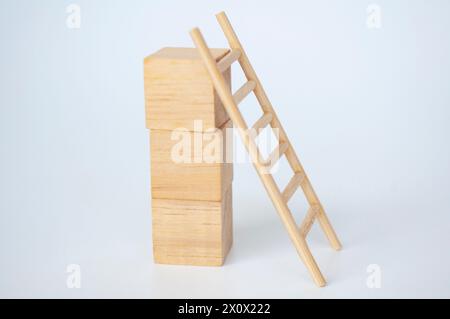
188	232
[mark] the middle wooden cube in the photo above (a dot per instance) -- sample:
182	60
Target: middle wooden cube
191	165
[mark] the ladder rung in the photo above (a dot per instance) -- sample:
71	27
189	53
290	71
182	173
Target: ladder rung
263	122
228	60
307	223
244	91
292	186
276	154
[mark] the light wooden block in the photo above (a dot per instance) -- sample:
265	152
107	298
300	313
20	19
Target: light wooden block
179	91
193	180
192	232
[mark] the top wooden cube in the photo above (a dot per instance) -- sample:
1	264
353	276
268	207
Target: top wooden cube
179	91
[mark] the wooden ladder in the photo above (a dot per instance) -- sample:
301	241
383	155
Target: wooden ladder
299	179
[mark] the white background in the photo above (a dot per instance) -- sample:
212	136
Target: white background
366	109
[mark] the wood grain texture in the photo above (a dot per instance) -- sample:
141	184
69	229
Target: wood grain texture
191	198
189	181
192	232
178	90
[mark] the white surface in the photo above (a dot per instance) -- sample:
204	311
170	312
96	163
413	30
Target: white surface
367	111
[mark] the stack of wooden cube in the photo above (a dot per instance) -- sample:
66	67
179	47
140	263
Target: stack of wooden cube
191	198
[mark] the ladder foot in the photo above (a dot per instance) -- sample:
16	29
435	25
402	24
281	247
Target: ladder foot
337	246
321	284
